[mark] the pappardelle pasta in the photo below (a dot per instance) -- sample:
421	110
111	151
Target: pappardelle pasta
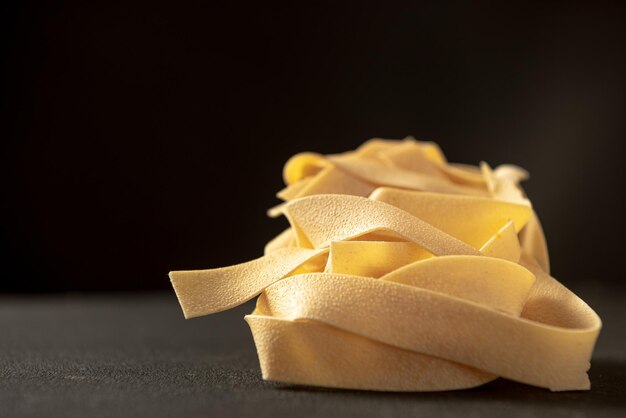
401	271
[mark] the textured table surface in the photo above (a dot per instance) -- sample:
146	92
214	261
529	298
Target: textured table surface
133	355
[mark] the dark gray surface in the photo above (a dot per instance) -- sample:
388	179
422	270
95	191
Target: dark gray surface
133	355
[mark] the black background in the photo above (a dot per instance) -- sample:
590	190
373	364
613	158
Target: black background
147	137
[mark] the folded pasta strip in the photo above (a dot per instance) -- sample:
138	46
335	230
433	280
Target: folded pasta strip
401	271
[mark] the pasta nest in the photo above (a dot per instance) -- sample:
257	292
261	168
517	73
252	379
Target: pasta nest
401	271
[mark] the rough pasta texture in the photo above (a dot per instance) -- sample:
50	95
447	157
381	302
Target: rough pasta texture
404	272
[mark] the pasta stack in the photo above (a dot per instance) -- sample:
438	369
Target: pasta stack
403	272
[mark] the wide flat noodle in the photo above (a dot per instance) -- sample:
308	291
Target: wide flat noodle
303	165
315	354
372	148
372	258
464	174
499	284
293	191
320	219
545	355
438	283
202	292
471	219
381	175
503	183
331	180
411	156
